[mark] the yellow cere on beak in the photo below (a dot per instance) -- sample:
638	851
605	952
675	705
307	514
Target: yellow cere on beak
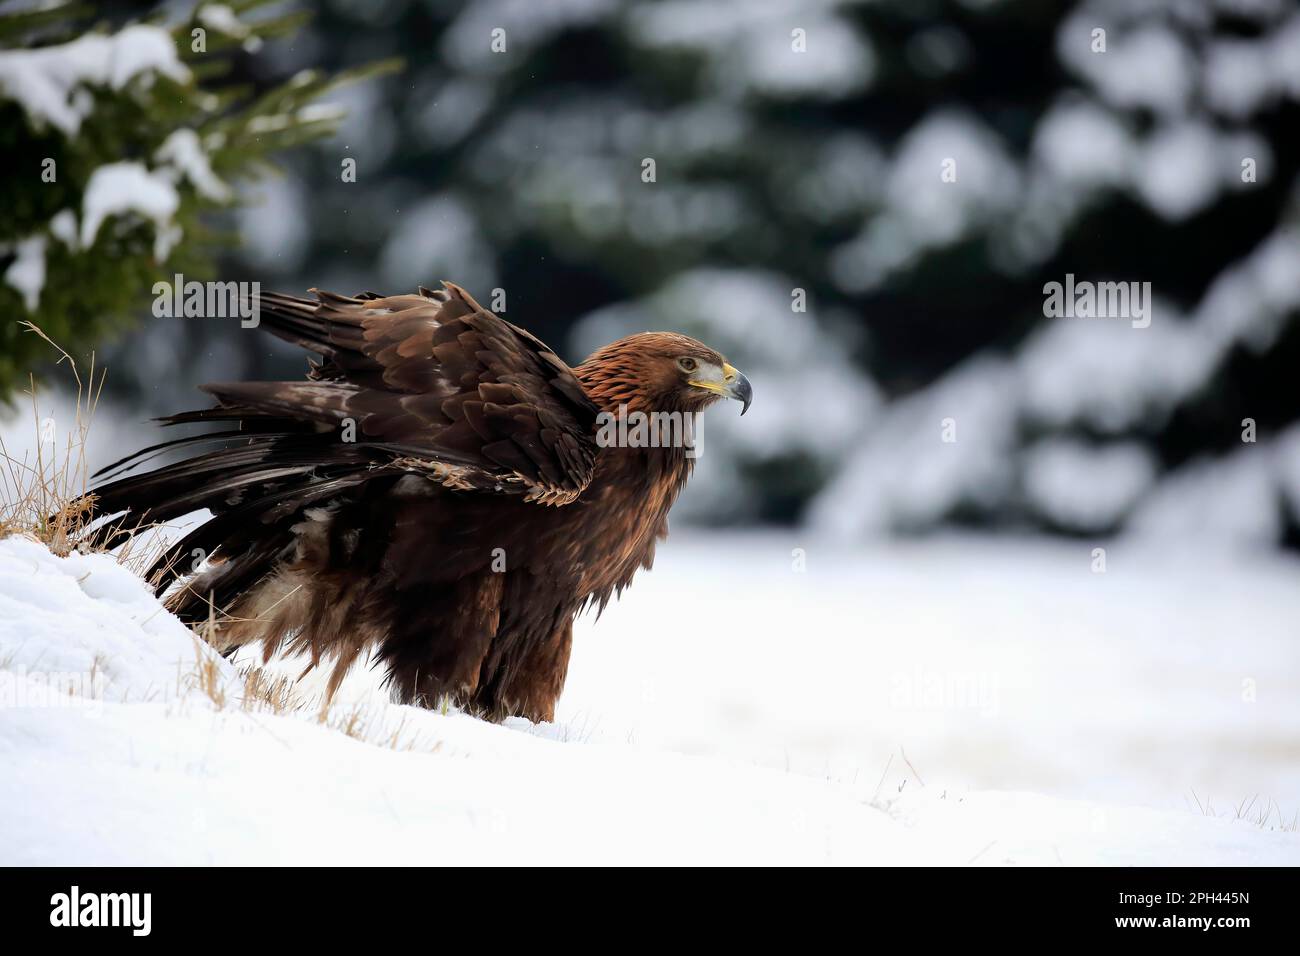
732	385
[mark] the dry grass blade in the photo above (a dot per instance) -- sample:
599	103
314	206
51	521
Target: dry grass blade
45	492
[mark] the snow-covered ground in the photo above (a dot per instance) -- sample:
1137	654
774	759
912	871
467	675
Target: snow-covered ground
993	663
880	706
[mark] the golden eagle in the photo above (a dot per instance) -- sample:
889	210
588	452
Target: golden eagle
470	515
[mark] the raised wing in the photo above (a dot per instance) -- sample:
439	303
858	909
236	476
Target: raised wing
444	385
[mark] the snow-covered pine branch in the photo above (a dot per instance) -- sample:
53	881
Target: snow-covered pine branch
129	136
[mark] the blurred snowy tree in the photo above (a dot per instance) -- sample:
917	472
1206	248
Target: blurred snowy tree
858	201
117	142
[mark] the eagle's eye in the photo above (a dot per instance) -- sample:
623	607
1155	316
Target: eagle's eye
687	364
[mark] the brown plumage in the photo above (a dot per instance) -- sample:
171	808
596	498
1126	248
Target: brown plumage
436	489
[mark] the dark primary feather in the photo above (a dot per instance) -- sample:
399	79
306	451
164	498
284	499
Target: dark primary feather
439	373
433	489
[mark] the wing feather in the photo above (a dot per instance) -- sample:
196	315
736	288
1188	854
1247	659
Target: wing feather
437	373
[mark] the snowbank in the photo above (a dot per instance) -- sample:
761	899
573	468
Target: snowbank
166	757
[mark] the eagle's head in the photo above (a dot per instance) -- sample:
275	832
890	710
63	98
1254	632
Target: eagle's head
662	372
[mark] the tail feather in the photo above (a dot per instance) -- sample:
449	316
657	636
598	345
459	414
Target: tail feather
313	324
256	485
249	543
250	419
203	481
273	457
149	453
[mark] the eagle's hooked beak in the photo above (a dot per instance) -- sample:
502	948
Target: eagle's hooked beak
732	384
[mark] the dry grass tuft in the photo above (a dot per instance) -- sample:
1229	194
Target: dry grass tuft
45	494
361	722
269	692
263	692
207	676
1266	816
